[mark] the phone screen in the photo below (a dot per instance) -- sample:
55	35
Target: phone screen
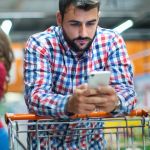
98	78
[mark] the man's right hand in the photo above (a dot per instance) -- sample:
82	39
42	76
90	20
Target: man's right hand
78	103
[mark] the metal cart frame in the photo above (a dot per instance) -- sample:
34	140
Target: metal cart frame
119	133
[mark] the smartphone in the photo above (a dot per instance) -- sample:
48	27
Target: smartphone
97	78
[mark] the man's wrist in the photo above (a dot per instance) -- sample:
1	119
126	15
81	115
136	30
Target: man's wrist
68	107
117	106
118	103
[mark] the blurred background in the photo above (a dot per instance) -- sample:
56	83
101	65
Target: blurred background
21	18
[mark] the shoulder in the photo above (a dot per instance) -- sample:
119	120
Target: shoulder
108	34
45	38
51	32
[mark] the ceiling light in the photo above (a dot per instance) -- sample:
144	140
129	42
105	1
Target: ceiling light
6	26
21	15
124	26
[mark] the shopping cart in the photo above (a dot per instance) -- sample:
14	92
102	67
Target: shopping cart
130	132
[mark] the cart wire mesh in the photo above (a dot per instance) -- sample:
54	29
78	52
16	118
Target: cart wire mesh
131	132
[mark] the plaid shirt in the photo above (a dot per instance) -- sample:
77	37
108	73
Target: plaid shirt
53	70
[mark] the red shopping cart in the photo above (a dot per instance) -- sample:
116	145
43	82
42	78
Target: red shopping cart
119	133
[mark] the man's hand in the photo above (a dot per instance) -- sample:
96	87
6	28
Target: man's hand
79	102
86	100
106	99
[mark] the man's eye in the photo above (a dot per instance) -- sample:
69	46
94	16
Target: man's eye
75	24
90	24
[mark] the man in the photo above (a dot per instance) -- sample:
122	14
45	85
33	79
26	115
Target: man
58	61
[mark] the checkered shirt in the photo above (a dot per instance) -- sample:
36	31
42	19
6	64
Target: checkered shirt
52	71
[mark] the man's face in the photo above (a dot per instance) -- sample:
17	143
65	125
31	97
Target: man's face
79	27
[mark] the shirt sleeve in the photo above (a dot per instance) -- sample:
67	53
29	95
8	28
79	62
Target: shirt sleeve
39	96
122	74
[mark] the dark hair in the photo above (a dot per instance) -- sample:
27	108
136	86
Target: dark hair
6	53
82	4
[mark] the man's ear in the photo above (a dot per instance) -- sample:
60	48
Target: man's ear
99	14
58	18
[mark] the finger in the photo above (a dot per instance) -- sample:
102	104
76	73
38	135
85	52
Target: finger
85	108
85	112
80	91
91	92
89	107
85	90
101	108
105	109
82	86
96	100
105	90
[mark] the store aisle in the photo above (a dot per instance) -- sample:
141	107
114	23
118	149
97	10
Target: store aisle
12	103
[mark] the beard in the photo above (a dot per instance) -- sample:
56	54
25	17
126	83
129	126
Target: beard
74	46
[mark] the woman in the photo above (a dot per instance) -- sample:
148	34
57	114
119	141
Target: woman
6	58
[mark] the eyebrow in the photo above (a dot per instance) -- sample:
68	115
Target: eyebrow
75	21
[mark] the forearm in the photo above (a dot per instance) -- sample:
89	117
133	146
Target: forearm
42	103
39	95
122	75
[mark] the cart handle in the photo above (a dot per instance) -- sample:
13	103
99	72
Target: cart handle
135	112
12	116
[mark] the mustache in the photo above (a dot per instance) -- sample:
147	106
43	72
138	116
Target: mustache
82	38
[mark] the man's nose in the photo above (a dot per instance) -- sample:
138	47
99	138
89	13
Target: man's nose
83	31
